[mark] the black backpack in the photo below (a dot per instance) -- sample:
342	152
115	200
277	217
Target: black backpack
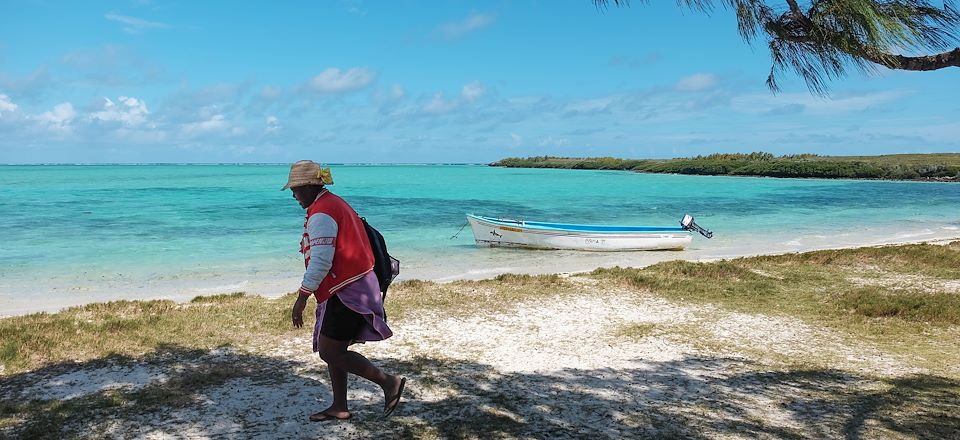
386	267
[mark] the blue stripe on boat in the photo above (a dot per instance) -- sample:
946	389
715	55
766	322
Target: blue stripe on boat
575	227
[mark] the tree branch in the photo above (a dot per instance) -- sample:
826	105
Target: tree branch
949	58
794	7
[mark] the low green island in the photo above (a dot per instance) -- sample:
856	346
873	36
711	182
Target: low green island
933	167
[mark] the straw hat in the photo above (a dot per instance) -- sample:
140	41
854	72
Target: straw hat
308	172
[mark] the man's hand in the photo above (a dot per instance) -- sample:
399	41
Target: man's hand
297	313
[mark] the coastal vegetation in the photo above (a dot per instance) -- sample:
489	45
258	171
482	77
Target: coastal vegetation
871	331
893	296
939	166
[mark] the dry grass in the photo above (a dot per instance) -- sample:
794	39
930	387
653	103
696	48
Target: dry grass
463	298
817	287
138	327
635	330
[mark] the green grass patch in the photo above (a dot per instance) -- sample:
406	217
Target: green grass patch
819	288
810	284
138	327
134	328
218	299
874	302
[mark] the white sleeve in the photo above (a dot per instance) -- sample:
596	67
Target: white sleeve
322	233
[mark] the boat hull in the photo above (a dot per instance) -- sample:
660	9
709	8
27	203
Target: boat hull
508	233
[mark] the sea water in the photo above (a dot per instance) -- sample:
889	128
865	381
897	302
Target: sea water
71	234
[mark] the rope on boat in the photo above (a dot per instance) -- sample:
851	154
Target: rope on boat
461	230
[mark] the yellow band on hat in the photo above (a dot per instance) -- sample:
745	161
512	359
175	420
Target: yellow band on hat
325	176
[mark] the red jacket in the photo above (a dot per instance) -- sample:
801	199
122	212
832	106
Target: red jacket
352	257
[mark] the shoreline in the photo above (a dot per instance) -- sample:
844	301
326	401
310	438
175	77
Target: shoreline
276	287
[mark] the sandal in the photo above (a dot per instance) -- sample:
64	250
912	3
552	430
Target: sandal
394	402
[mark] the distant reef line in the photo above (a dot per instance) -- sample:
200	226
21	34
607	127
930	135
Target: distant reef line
942	167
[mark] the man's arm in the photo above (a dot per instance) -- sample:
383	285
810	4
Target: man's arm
322	233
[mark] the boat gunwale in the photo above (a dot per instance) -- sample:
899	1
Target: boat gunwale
533	226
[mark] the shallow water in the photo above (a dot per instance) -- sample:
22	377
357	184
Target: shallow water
75	234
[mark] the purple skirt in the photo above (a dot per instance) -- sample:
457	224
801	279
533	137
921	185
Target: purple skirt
363	297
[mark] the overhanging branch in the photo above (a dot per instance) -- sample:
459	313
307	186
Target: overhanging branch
926	62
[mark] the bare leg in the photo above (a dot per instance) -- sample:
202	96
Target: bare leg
338	358
338	381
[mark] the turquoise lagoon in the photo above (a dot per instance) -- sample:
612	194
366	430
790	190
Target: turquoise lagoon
76	234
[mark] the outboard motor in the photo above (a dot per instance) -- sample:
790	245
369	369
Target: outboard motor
687	223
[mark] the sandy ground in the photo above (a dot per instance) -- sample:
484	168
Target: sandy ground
607	363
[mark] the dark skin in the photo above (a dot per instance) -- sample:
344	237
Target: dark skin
305	195
340	361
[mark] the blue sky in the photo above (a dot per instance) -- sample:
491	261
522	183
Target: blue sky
419	81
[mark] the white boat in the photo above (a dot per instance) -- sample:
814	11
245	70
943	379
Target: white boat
502	232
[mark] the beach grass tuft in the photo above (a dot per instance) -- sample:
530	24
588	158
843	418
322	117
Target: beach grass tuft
814	284
904	299
876	302
463	298
635	330
137	327
222	298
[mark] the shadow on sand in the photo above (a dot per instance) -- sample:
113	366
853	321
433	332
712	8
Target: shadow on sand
224	393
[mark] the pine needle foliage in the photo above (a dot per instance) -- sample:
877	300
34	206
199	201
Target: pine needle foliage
821	40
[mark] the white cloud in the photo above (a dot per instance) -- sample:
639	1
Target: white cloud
472	91
270	92
693	83
550	141
354	7
439	105
133	25
214	123
387	100
590	105
517	139
6	105
273	124
333	80
58	119
397	92
138	135
767	103
129	111
454	30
